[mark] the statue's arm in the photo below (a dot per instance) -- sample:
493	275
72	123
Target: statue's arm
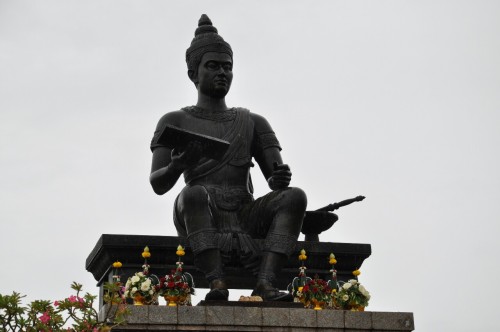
268	155
164	174
169	164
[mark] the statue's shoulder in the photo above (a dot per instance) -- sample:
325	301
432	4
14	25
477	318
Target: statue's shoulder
259	121
174	118
256	118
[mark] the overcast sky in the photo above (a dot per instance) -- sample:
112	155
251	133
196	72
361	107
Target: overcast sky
395	100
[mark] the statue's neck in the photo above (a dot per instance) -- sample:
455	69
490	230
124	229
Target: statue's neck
211	104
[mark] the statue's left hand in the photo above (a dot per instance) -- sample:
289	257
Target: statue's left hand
183	159
280	178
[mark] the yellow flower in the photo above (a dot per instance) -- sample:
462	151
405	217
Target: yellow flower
334	291
300	288
117	265
356	273
180	251
302	256
146	253
332	259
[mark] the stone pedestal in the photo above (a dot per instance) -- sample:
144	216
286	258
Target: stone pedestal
247	318
128	248
236	316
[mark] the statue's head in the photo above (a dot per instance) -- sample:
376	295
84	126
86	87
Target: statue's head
207	45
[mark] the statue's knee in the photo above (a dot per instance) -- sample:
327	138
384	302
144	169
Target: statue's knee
297	198
291	212
193	197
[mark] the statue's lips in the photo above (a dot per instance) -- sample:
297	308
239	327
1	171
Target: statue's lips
221	82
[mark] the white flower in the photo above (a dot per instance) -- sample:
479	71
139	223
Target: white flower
363	290
144	287
346	286
135	279
140	274
132	292
151	292
147	282
353	281
345	297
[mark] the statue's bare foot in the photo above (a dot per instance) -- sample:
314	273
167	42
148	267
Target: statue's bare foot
267	292
218	291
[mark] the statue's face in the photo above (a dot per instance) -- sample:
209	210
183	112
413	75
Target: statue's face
215	74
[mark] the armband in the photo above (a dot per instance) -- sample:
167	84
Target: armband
267	140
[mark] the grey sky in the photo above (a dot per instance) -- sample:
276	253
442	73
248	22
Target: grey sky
395	100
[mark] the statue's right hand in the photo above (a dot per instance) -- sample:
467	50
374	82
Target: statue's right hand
281	177
188	157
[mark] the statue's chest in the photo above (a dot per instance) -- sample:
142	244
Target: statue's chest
207	127
238	131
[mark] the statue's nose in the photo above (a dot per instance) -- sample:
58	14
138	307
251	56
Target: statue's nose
221	71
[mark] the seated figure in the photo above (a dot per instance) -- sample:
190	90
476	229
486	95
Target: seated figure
216	210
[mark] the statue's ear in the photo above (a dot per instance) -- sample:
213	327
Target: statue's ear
192	76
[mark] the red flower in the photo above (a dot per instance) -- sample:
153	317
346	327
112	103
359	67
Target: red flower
45	318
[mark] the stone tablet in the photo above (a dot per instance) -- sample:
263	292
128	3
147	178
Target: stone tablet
175	137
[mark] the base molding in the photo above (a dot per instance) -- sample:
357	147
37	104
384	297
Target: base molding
248	318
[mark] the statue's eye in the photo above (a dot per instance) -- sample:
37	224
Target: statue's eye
212	65
227	67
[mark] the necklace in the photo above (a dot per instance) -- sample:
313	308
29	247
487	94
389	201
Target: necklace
217	116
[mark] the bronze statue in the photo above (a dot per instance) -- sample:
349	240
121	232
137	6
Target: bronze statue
216	210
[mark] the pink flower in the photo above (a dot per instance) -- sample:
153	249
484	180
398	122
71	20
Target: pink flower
44	318
56	303
72	299
80	299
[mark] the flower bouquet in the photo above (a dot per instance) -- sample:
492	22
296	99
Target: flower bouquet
177	286
351	296
175	289
316	293
141	286
141	289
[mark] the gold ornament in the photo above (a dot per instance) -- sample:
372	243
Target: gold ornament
146	253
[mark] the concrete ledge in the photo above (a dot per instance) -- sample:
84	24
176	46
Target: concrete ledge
226	318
